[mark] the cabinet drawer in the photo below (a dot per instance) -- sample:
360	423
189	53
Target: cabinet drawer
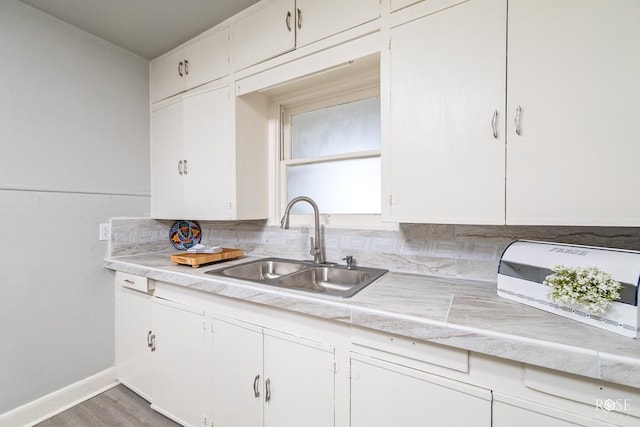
591	392
137	283
413	353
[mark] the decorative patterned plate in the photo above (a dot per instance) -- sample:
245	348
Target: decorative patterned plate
185	234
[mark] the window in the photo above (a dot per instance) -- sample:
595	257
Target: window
331	152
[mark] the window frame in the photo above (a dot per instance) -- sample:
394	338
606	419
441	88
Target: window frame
301	103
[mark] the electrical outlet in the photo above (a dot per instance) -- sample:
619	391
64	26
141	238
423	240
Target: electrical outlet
104	232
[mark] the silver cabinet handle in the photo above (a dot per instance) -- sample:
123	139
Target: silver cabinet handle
180	168
149	343
256	390
180	65
153	342
299	20
516	120
185	167
186	67
267	386
494	123
288	21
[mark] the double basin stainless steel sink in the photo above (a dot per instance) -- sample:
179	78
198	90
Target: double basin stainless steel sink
329	279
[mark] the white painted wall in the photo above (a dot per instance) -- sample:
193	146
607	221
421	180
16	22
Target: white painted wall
74	146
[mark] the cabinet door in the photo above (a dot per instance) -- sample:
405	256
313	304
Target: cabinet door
167	75
238	381
167	181
400	4
535	415
263	34
182	388
573	71
209	150
445	157
133	327
317	19
387	395
208	58
300	376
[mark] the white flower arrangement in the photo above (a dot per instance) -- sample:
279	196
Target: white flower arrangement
589	287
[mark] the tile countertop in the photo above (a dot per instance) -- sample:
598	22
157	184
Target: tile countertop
460	313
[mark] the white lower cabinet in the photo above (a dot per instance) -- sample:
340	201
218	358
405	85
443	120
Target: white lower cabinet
509	411
162	353
133	335
385	394
266	378
181	382
207	361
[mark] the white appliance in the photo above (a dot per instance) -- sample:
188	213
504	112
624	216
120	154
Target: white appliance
525	264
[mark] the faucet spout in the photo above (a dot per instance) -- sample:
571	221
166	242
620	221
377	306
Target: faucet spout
316	245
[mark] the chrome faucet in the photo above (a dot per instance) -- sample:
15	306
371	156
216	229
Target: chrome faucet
316	245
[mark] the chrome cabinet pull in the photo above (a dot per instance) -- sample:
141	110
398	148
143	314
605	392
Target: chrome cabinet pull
256	390
267	386
180	168
299	18
185	167
288	21
180	64
149	344
153	342
186	67
516	120
494	123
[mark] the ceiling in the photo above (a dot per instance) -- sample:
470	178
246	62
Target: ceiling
148	28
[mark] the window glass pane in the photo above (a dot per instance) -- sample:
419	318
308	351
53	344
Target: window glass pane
338	129
340	187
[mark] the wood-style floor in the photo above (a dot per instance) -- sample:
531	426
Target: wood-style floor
117	407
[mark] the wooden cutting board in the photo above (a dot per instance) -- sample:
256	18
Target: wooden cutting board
196	260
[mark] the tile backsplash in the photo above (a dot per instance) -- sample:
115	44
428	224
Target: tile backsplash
469	251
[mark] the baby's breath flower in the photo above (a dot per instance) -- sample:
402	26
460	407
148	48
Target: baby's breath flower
589	287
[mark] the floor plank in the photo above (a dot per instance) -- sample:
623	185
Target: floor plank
116	407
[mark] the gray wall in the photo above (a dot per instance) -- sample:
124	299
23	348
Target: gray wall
74	146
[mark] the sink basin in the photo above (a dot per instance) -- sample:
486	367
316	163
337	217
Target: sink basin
262	269
336	280
325	279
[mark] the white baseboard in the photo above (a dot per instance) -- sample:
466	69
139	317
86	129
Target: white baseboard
47	406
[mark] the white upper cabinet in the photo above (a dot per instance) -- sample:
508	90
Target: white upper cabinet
202	60
274	27
192	155
202	167
561	150
166	75
267	31
573	75
210	150
167	160
444	157
317	19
